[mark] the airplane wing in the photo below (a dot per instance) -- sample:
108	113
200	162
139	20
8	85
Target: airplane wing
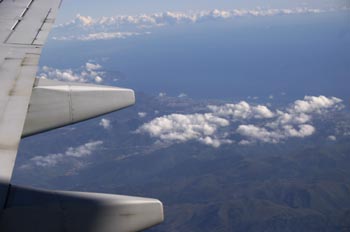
29	106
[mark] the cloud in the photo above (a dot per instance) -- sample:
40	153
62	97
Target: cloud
142	114
332	138
105	123
301	111
182	95
182	128
312	104
85	20
53	160
171	17
92	67
257	133
89	73
254	123
254	133
98	79
293	122
86	28
242	110
99	36
161	94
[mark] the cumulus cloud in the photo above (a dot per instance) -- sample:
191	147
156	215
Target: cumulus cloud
242	110
161	94
254	133
258	133
86	28
88	73
293	122
105	123
312	104
256	123
182	95
92	66
53	160
301	111
85	20
142	114
182	128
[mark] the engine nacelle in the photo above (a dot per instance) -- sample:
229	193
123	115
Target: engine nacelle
54	104
34	210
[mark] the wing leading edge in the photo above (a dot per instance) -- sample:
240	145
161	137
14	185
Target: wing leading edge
27	106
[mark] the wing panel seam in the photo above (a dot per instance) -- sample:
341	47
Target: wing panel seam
41	26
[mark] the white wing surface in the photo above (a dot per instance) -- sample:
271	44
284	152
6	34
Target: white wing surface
24	26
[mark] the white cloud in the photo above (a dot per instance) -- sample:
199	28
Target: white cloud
294	122
83	150
312	104
182	128
303	130
301	111
47	161
105	123
242	110
142	114
182	95
53	160
332	138
92	67
256	133
161	94
85	20
166	18
86	28
99	36
98	79
88	73
257	123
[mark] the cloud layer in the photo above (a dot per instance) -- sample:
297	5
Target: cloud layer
86	28
251	123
